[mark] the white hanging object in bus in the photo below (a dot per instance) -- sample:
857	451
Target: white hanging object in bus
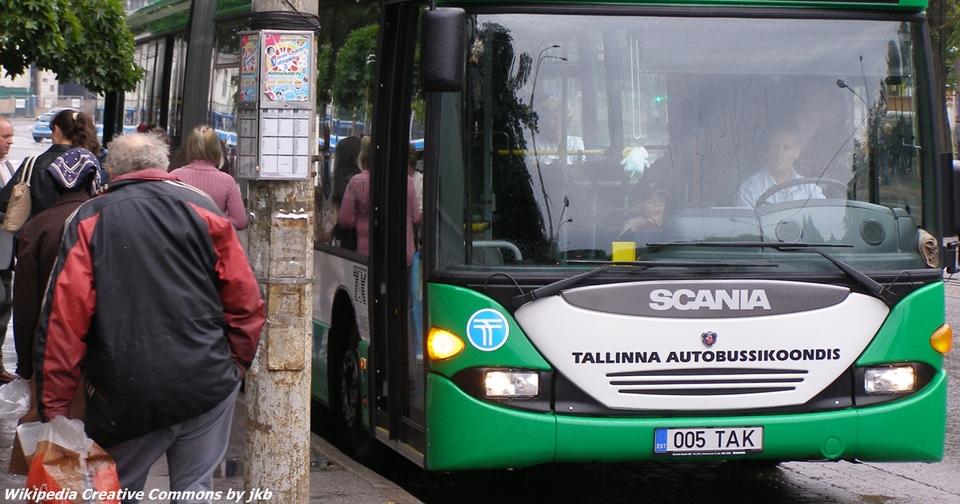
635	161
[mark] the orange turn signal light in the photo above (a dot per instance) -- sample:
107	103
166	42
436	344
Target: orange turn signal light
942	339
443	344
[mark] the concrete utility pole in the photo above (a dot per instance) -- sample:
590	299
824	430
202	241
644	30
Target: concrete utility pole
280	247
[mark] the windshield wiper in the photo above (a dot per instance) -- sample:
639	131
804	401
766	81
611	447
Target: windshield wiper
554	288
872	286
672	264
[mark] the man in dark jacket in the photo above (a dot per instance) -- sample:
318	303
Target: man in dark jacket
153	296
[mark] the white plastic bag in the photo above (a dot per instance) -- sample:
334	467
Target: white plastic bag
61	431
14	399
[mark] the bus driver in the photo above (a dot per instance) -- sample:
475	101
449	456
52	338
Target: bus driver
784	153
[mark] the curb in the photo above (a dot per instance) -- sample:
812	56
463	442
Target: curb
391	492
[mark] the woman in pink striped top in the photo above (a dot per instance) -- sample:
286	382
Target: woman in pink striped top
204	157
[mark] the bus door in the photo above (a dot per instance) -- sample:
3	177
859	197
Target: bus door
396	269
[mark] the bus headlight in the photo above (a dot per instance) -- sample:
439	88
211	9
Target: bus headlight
889	380
511	384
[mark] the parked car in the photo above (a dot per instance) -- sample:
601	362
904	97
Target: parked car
41	128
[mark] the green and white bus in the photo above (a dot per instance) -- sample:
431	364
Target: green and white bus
649	231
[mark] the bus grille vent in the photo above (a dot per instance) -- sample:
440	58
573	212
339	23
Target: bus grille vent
706	381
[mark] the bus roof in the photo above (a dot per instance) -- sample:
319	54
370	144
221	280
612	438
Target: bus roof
171	16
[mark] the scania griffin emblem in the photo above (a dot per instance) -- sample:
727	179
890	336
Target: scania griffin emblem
708	338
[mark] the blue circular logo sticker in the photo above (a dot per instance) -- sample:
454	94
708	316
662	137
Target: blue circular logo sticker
487	330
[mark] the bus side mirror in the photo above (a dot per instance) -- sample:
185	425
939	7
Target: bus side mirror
442	50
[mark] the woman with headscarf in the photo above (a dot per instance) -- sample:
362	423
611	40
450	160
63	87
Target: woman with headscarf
75	177
70	129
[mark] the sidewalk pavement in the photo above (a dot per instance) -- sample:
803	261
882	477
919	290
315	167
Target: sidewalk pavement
334	477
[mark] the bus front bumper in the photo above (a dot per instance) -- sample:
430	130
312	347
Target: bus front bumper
466	433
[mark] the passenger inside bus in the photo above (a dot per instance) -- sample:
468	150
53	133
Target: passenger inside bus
354	210
551	129
344	166
344	169
648	213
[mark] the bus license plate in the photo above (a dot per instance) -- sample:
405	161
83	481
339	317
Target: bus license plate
708	441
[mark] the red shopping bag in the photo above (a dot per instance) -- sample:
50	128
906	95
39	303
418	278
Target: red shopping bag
103	473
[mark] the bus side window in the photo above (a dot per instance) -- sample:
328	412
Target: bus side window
351	194
345	105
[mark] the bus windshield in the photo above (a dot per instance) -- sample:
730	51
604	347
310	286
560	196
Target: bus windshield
576	132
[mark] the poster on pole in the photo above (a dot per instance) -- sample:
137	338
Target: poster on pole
248	67
287	66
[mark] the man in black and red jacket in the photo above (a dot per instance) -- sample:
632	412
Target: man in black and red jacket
153	300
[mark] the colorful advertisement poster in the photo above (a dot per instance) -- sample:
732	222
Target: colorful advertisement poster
286	58
248	67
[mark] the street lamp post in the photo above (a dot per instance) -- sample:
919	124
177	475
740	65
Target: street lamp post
533	138
536	69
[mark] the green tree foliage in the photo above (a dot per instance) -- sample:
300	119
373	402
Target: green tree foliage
951	38
353	73
942	19
83	40
360	13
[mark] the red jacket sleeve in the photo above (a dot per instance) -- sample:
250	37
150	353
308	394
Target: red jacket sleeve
69	305
243	308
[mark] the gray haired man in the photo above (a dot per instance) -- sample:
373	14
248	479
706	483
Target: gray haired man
153	296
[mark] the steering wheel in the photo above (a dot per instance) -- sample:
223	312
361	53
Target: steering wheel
823	182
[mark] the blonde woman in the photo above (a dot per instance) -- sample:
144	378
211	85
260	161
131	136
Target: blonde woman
203	154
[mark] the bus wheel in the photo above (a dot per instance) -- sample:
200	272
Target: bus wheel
349	414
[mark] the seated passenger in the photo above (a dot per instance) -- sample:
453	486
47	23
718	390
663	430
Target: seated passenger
649	214
549	136
784	153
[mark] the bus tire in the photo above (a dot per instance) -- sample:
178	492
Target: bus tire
348	403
